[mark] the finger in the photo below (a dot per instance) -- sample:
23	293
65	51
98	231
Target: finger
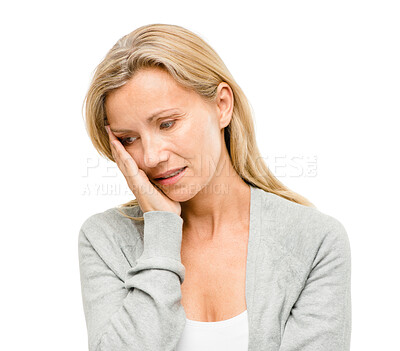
128	167
114	143
110	133
114	152
125	162
111	137
125	159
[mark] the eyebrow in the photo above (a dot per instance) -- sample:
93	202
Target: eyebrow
149	120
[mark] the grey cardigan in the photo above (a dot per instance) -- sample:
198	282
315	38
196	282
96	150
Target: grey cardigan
298	278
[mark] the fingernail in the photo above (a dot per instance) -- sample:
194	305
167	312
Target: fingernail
108	129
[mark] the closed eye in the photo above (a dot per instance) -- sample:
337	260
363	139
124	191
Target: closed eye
124	140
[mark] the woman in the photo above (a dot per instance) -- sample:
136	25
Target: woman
214	253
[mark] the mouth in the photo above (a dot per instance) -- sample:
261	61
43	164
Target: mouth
172	178
171	174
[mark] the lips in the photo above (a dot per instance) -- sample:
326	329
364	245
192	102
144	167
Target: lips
166	174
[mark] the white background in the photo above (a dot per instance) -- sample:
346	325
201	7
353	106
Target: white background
322	78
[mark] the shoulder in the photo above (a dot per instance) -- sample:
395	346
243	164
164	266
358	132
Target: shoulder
112	227
301	231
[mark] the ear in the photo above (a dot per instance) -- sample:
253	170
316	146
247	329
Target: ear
224	101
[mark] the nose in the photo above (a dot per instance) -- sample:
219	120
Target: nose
153	152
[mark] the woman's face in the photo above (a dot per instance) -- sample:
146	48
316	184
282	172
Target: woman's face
187	130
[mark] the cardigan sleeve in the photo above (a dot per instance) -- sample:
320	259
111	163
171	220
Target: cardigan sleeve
144	311
321	317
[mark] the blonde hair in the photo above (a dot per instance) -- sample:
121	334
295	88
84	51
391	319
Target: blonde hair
195	65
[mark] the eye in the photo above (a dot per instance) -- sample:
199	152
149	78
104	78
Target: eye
167	123
124	142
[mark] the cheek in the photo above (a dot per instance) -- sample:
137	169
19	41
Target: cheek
191	143
205	146
136	157
209	136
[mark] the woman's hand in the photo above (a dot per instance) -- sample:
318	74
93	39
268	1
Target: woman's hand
149	197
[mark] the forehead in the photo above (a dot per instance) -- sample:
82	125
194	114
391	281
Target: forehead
149	90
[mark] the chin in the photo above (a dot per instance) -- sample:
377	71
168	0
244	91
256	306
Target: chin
180	193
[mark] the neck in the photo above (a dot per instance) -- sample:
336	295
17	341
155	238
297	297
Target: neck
221	205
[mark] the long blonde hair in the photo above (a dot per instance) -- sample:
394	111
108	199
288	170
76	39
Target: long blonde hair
195	65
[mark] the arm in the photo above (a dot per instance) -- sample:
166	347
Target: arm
321	317
144	312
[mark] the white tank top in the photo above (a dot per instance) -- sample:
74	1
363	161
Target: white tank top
230	334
